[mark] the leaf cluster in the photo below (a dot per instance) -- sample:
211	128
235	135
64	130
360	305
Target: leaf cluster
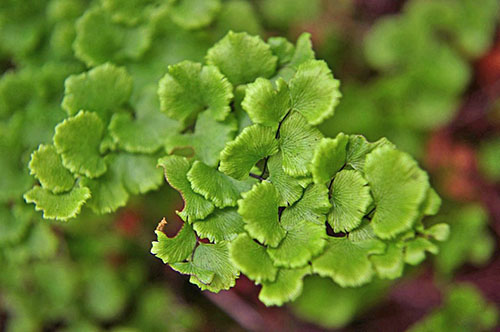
105	149
274	198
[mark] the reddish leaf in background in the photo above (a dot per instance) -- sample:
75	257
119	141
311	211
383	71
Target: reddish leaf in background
488	67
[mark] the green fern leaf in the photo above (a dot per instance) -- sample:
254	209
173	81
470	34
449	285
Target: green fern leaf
259	209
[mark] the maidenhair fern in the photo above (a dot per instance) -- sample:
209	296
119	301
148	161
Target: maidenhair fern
266	194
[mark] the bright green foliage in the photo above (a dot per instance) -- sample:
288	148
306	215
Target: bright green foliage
297	140
77	140
222	225
259	209
242	58
214	258
47	167
303	241
329	157
314	92
138	173
346	261
108	191
253	144
148	130
103	90
289	188
215	186
189	88
194	14
350	201
390	264
195	206
463	309
208	139
289	182
287	286
398	187
58	206
264	104
99	39
311	207
252	259
177	249
415	250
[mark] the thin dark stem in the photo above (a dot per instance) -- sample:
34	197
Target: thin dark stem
279	125
331	182
264	168
258	177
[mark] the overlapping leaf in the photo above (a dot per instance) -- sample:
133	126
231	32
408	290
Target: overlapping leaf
398	187
189	88
103	90
77	140
209	138
58	206
242	58
347	262
47	166
195	206
350	197
252	259
215	186
314	91
259	209
176	249
297	140
253	144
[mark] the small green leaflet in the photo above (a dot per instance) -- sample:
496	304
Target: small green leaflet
196	207
77	140
350	197
416	248
314	91
147	131
287	287
398	187
347	262
222	225
252	259
215	258
253	144
209	138
390	264
302	241
312	207
259	209
99	39
215	186
47	166
297	141
176	249
329	157
189	88
102	89
108	191
58	206
357	149
194	14
242	58
264	104
289	188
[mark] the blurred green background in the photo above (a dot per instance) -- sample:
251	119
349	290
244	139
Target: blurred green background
424	73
